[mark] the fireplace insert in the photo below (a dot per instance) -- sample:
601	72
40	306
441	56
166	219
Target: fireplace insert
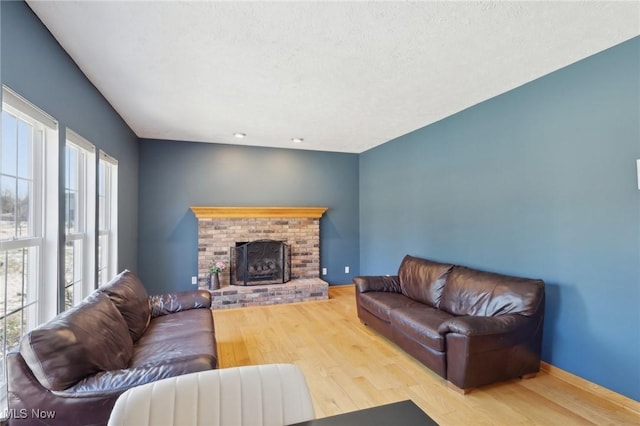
260	262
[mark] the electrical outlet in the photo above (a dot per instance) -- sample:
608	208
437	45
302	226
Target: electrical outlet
194	280
324	271
346	269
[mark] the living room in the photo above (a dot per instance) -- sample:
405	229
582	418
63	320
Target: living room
539	181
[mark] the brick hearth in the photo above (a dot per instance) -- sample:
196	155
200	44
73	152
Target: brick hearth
299	290
220	228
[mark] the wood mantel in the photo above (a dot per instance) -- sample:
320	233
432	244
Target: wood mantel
202	212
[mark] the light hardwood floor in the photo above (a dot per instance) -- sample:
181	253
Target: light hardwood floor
348	367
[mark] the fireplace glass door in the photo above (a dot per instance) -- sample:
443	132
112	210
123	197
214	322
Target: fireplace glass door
260	262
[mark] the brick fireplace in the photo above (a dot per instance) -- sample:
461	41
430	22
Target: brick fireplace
221	228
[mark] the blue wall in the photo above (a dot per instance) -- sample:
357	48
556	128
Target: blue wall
36	67
177	175
538	182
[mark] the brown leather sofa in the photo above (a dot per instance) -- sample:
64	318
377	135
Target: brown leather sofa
76	365
469	326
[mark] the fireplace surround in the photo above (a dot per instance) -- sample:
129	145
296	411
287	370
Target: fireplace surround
220	228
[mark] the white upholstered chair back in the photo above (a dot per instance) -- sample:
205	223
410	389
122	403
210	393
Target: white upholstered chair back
272	394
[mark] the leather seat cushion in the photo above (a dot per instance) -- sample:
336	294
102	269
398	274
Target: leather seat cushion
176	336
423	280
82	341
479	293
381	304
421	323
130	297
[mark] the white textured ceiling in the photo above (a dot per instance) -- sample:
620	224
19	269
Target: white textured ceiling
345	76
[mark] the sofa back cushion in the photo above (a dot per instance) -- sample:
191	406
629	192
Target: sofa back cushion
82	341
472	292
423	280
130	297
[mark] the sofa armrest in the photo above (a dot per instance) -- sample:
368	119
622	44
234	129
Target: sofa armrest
26	395
164	304
386	283
483	350
484	326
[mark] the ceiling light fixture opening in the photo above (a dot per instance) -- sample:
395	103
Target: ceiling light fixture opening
296	140
239	135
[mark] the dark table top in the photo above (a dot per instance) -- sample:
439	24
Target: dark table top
404	413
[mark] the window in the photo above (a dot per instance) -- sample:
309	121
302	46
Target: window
79	225
107	218
28	222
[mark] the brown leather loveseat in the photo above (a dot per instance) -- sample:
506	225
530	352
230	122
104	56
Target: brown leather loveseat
71	370
469	326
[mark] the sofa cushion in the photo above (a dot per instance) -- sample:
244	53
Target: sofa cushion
176	337
82	341
380	304
421	324
130	297
472	292
423	280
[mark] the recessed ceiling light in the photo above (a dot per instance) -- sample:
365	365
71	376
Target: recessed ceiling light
239	135
296	140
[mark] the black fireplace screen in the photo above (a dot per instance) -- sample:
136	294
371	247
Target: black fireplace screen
260	262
